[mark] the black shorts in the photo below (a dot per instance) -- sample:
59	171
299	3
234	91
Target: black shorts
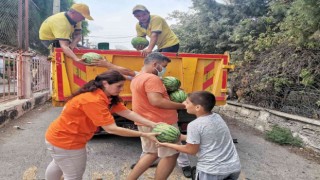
174	48
55	43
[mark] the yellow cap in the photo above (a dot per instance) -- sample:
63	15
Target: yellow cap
83	9
139	7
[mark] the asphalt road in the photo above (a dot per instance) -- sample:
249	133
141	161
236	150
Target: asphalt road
23	154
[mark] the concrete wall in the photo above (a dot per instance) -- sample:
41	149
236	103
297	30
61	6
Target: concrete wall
263	120
14	109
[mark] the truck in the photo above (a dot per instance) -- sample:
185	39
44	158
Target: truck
196	72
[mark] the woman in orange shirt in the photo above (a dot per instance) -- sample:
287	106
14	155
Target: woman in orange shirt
90	107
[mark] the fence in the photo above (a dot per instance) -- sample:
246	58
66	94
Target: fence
40	69
8	74
17	69
22	71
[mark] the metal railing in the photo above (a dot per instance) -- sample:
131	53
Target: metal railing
40	70
22	73
8	75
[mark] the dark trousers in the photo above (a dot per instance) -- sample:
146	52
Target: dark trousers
174	48
55	43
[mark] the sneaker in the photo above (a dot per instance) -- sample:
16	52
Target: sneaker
186	171
193	172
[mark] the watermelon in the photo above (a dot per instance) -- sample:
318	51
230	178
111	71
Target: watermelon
139	41
90	56
168	132
171	83
178	96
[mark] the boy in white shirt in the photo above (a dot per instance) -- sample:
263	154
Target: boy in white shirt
209	138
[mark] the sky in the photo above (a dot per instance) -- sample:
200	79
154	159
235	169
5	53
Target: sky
114	22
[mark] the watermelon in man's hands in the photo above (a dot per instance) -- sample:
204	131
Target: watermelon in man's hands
139	42
178	96
168	133
90	56
171	83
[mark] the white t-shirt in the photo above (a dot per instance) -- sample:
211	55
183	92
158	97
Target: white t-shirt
217	154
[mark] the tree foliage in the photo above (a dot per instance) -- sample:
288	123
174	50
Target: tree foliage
239	24
273	43
302	22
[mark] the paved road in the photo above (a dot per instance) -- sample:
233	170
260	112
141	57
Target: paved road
23	154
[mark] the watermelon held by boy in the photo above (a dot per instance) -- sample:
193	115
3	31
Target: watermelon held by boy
168	132
90	56
139	41
178	96
171	83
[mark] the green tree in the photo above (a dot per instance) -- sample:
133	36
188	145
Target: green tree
212	24
186	29
274	44
303	21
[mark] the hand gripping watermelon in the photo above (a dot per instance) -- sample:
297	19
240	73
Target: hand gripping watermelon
139	41
178	96
90	56
168	132
171	83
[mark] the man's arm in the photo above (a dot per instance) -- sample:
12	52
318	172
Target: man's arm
77	35
183	137
128	114
153	41
66	49
188	148
157	100
109	65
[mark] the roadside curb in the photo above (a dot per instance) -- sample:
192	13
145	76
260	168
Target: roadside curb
14	109
263	119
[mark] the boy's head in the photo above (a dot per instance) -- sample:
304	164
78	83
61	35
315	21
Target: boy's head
200	100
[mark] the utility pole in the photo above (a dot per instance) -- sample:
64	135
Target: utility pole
56	6
26	25
27	57
24	58
20	44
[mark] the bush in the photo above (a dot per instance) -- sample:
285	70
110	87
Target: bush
283	136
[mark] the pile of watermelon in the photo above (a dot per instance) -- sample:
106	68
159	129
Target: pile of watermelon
168	133
90	56
172	85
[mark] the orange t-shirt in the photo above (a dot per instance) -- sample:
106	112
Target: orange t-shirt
142	84
80	118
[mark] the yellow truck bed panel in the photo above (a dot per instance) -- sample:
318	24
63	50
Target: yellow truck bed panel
196	72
